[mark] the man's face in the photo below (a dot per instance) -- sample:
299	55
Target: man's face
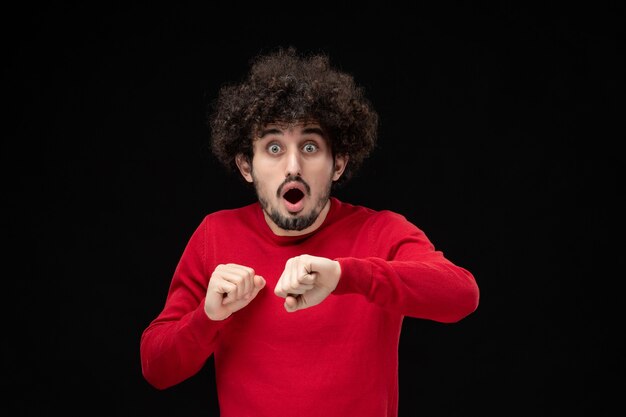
292	170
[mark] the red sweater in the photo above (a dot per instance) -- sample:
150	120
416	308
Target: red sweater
339	358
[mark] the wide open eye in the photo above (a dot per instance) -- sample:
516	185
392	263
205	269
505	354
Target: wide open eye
309	148
274	148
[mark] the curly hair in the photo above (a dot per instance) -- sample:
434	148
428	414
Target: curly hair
287	87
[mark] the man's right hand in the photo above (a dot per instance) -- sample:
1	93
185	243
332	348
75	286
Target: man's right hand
230	289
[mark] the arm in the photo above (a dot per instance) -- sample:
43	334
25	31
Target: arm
413	278
178	342
403	273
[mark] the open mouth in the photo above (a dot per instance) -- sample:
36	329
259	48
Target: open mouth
293	195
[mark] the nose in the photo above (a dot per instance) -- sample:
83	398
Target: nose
293	166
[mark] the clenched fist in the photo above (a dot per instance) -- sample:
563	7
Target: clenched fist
307	281
231	288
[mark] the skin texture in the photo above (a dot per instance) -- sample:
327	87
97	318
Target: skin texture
231	288
285	156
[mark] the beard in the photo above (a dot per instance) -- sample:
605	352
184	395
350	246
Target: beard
295	222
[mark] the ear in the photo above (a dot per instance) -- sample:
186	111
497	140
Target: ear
245	166
341	161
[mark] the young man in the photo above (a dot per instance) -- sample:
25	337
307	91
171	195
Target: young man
299	297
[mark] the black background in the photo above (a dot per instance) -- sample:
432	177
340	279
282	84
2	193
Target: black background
499	137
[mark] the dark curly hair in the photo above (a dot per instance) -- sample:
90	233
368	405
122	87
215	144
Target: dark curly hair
284	86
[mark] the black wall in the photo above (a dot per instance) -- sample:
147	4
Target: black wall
499	136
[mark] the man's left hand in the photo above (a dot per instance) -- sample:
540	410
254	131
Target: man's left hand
307	281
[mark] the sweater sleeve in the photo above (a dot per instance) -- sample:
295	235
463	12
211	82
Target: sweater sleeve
177	343
409	276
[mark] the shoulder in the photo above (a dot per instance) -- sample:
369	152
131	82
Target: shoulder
232	218
373	218
232	213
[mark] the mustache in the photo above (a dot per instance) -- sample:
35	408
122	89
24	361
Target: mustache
293	178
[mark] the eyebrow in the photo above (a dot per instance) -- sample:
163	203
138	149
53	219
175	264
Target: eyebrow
273	131
313	130
305	131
